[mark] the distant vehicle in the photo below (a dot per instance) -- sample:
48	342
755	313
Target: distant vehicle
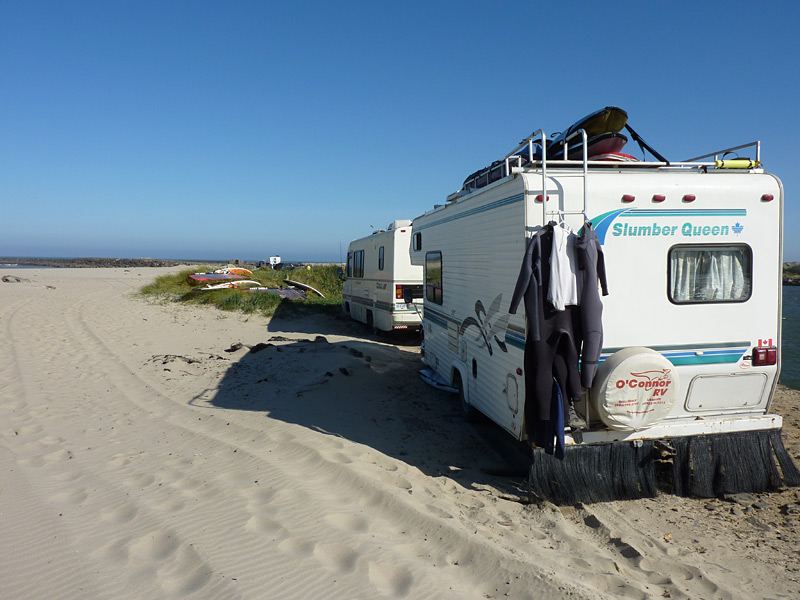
382	288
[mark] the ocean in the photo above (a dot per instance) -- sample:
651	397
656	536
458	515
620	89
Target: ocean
790	348
20	266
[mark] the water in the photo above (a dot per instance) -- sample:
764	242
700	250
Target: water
21	266
790	348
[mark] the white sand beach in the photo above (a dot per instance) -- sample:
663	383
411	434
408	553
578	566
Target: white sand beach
140	459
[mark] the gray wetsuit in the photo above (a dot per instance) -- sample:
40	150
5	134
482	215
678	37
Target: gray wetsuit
591	268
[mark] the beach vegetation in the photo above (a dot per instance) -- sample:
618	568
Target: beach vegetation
327	279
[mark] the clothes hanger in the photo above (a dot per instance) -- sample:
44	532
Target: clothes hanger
562	221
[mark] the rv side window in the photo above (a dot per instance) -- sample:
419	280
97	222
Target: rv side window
349	264
380	258
358	263
417	241
711	273
433	277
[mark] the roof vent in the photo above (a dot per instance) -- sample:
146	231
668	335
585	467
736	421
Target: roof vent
398	223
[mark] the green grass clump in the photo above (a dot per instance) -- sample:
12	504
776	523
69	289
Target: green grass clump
791	269
326	278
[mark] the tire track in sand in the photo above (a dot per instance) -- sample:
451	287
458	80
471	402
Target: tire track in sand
635	582
401	538
69	548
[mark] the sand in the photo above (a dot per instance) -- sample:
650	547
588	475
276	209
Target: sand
141	459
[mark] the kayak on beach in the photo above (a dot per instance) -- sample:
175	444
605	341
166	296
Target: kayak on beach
198	278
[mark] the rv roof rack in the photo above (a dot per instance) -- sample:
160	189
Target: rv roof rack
515	161
717	153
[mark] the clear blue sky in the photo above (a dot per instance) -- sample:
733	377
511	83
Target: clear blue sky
241	129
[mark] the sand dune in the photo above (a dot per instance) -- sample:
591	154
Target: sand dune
140	459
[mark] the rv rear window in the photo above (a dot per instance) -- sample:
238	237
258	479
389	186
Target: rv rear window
380	258
417	241
707	274
433	277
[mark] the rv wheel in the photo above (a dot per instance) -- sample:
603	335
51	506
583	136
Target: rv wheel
467	409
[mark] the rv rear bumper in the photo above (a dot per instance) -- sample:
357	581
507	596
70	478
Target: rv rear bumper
406	327
686	427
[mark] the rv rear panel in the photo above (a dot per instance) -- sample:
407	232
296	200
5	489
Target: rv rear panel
380	277
693	263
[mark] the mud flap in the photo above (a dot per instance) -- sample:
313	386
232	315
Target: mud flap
703	465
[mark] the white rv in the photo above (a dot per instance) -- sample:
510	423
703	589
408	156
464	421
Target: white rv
667	231
381	278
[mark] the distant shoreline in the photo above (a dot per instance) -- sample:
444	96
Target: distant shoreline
17	262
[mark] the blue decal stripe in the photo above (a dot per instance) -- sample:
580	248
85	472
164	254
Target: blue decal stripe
686	354
359	300
602	222
516	342
707	358
441	316
434	318
738	352
694	347
704	360
738	212
474	211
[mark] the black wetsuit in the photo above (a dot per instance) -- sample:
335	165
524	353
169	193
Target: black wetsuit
551	345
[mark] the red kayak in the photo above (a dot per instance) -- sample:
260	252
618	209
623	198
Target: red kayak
198	278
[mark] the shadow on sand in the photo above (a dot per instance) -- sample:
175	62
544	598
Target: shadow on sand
314	320
369	393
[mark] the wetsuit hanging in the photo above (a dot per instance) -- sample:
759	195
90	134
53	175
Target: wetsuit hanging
550	345
591	268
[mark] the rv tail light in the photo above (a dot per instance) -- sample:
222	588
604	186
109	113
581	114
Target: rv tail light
767	198
659	197
398	292
541	198
628	198
765	356
689	198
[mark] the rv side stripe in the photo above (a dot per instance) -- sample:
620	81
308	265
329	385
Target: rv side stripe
435	318
475	211
359	299
515	340
678	354
745	344
387	306
696	354
685	212
704	360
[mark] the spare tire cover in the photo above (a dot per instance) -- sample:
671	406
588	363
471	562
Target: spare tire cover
634	389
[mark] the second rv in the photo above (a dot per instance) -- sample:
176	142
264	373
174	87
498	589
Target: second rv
380	278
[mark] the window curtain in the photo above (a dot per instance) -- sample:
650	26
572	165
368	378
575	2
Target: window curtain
709	274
